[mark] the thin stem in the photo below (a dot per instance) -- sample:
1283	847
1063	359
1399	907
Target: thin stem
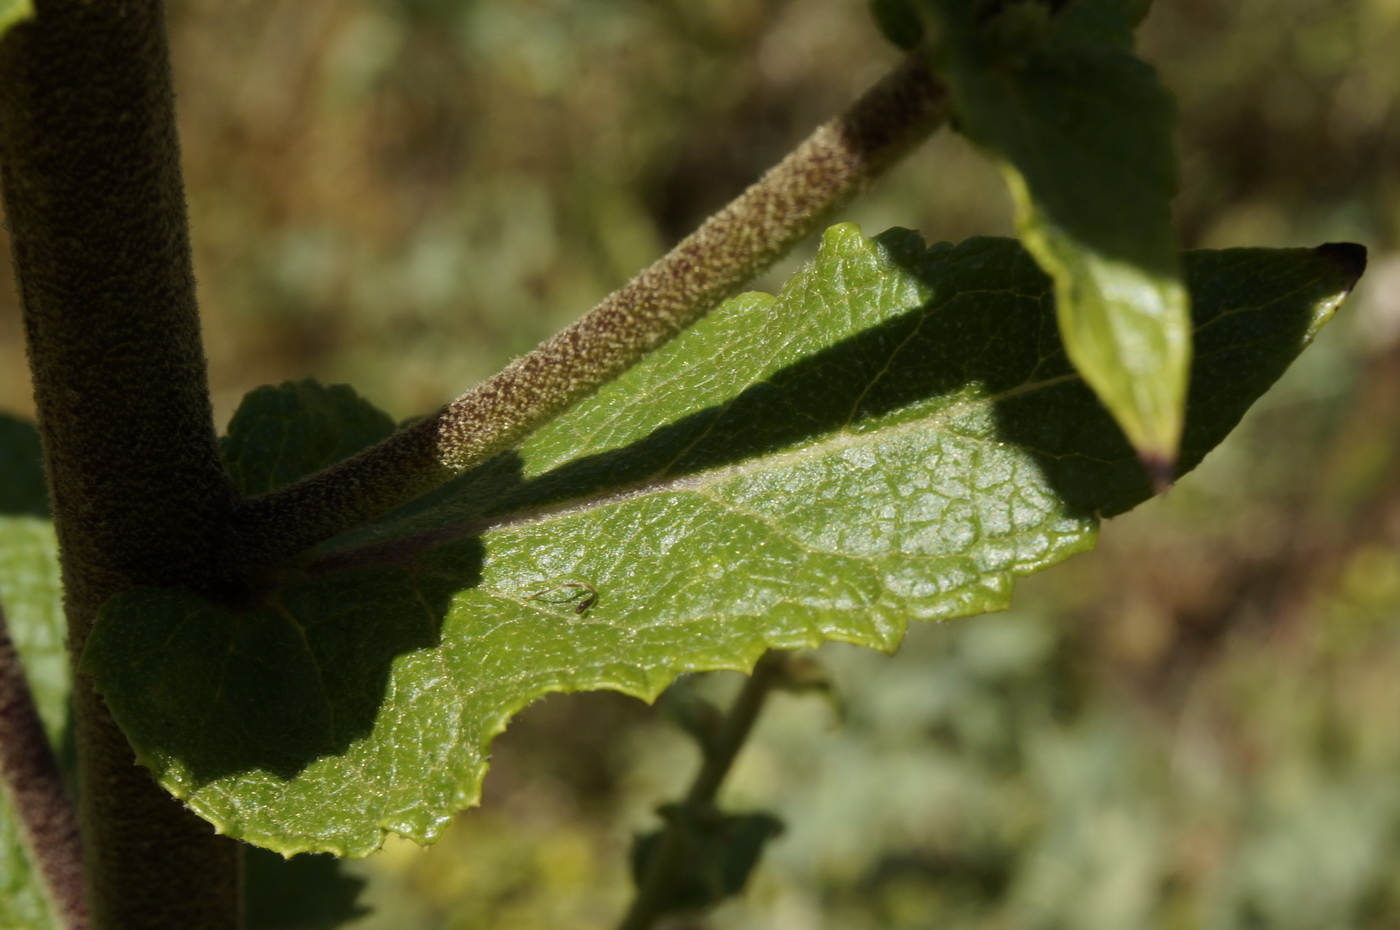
711	264
30	776
655	888
95	204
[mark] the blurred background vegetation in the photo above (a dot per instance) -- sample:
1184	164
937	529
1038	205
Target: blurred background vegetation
1194	727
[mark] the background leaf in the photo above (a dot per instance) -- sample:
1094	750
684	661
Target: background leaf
301	893
282	433
721	851
1083	130
897	435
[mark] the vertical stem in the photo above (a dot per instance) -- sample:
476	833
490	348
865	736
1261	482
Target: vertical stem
94	199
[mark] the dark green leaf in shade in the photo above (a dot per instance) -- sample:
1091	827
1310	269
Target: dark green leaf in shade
30	597
721	851
23	491
899	21
1083	130
285	432
897	436
309	892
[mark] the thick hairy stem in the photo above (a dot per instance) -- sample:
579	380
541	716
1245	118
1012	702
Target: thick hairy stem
656	886
710	265
94	200
30	777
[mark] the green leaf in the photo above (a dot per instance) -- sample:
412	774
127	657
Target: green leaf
1082	129
300	893
282	433
30	596
897	436
721	851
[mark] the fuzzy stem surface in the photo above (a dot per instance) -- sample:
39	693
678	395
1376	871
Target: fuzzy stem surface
711	264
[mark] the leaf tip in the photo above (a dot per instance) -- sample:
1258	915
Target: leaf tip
1349	258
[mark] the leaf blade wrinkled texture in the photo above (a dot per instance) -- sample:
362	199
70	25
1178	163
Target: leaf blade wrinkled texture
31	598
898	435
1082	129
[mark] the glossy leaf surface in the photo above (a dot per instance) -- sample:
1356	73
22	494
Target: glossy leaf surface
897	436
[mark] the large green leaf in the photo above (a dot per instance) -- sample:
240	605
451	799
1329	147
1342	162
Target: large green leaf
29	594
896	436
1083	131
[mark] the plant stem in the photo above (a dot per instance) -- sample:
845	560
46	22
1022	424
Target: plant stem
654	890
30	776
95	204
711	264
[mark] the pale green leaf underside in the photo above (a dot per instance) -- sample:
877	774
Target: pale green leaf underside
897	436
30	596
1083	131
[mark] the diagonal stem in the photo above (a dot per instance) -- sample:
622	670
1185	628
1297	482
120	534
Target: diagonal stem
744	238
31	780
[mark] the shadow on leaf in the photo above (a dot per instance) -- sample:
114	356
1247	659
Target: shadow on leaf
205	692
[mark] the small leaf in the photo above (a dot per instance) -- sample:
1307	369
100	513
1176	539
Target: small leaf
897	436
1083	131
279	434
300	893
721	851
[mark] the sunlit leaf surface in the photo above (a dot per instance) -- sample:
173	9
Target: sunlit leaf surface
897	436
